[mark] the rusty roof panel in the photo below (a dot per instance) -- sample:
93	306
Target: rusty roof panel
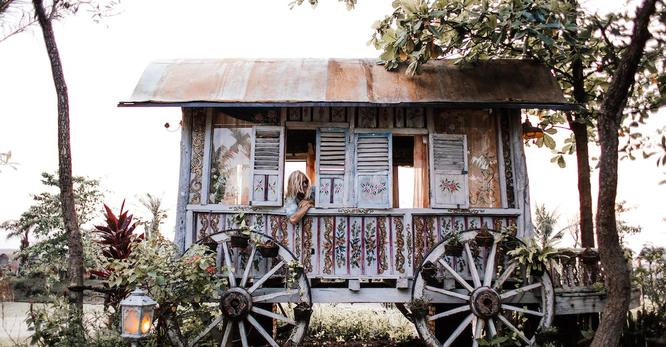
344	81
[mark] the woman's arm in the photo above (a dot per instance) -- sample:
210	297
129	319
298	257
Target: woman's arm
303	208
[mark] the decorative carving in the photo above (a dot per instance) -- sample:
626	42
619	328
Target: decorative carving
284	232
465	211
275	224
340	242
196	167
297	240
355	245
419	230
400	244
215	223
409	245
203	218
338	114
381	241
328	244
307	243
355	210
430	220
370	243
508	166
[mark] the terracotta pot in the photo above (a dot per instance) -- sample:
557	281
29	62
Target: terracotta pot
239	241
453	250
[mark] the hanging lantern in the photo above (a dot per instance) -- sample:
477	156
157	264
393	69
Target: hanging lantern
530	131
137	315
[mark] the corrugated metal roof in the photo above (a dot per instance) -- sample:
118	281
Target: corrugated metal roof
515	83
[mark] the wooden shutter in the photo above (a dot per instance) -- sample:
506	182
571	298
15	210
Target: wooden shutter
267	165
373	166
331	167
448	171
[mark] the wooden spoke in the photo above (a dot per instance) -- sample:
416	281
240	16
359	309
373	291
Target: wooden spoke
242	333
456	276
509	270
480	324
265	277
490	266
472	266
206	331
266	297
520	290
227	332
447	292
459	330
273	315
523	310
491	328
515	330
229	265
261	331
248	267
450	312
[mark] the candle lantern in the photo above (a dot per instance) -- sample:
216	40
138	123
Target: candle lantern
137	315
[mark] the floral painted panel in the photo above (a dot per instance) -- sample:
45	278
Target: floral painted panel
355	245
480	127
449	189
373	190
331	190
265	188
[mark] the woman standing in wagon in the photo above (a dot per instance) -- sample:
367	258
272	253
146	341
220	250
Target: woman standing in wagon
299	196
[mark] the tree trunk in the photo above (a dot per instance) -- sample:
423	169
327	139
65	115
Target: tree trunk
75	261
579	128
618	284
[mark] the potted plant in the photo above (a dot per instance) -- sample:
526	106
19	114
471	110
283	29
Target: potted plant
454	247
429	272
240	239
268	249
484	238
589	256
533	257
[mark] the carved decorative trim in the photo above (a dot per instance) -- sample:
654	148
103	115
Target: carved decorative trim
328	244
204	225
419	230
355	210
508	165
307	243
340	242
215	223
409	245
355	244
284	232
381	245
400	244
370	242
196	167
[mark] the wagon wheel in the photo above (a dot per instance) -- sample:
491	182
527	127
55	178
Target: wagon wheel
249	287
495	295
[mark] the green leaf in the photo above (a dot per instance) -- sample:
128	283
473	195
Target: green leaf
549	141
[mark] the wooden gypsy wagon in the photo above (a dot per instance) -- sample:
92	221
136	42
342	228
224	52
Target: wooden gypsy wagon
421	188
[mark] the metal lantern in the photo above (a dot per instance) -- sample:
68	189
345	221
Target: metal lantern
137	315
530	131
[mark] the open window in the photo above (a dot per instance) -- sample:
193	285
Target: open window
267	165
410	171
300	153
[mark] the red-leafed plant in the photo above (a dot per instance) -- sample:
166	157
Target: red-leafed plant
117	239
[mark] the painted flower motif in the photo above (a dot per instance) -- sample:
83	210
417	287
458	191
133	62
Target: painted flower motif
324	188
373	189
449	185
338	188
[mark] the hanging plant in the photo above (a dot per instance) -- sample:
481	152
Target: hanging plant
484	238
454	247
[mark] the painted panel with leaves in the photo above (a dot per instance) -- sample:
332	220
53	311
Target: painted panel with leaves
230	161
267	165
373	165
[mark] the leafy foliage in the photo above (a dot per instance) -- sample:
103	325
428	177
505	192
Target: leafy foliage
182	286
117	236
157	214
42	232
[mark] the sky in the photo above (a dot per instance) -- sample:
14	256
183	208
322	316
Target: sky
130	150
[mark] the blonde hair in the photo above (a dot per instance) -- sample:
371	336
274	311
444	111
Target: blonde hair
295	185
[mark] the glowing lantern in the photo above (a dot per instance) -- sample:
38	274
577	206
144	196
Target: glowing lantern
137	315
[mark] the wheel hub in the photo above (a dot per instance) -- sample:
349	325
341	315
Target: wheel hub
485	302
236	303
